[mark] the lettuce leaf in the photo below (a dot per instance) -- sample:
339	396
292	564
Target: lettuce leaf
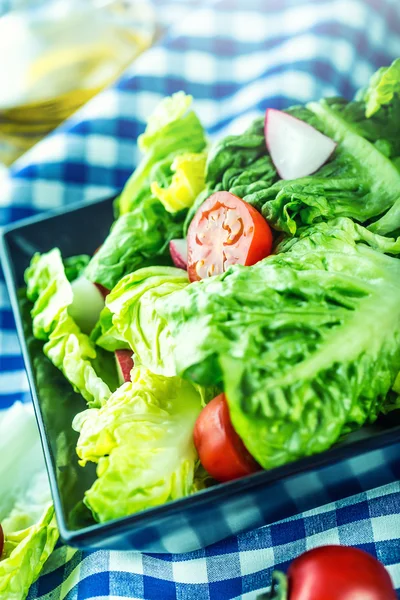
172	128
49	289
142	442
75	266
307	360
26	510
188	180
238	164
359	182
153	203
130	316
137	239
66	346
383	86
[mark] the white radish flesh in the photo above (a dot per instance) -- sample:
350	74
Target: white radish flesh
87	304
296	148
179	254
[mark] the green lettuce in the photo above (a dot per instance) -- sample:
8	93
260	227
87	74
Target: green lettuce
238	164
142	442
75	266
306	343
137	239
130	317
66	346
187	181
172	128
383	87
26	510
359	181
154	201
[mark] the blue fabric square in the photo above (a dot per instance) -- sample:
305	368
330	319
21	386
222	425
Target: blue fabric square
386	505
347	514
225	590
286	532
155	589
94	585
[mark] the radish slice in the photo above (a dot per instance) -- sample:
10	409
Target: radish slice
86	305
103	291
179	254
124	362
296	148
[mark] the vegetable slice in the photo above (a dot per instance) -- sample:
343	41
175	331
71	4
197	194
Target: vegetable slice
87	303
179	253
221	451
297	149
124	365
226	231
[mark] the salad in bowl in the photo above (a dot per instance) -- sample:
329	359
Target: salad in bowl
244	310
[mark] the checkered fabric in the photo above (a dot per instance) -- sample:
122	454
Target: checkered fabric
236	57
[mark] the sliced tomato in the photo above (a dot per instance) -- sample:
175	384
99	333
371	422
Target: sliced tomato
221	451
226	231
1	540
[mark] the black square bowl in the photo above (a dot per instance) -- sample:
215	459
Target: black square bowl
364	460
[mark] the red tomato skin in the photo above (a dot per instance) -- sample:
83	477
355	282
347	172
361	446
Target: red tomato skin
253	244
221	451
338	573
1	540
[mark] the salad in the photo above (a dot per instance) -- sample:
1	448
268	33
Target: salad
244	310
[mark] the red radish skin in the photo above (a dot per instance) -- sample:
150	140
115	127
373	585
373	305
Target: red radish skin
179	253
335	573
104	291
124	364
1	540
297	149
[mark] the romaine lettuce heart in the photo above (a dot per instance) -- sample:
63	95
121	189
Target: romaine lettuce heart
142	441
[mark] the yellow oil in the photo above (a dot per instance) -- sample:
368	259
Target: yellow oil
65	68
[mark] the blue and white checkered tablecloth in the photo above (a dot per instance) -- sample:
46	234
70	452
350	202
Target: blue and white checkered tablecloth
236	57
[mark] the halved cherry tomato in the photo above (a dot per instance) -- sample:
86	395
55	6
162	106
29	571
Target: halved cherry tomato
1	540
337	573
221	451
226	231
